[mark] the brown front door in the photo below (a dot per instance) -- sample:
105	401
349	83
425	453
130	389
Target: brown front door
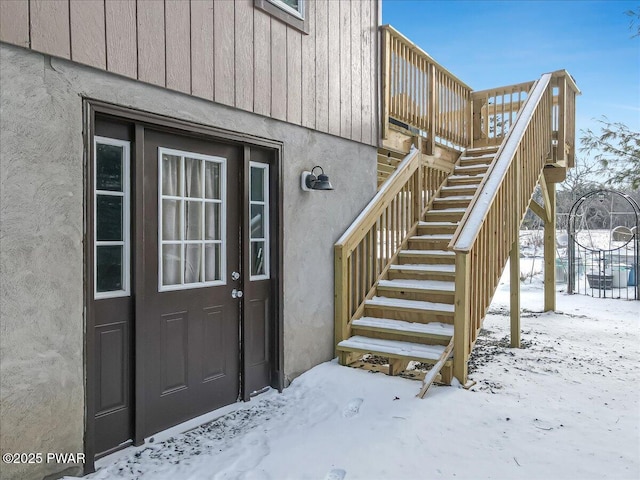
183	268
191	317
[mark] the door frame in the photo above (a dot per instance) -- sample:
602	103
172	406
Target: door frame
91	107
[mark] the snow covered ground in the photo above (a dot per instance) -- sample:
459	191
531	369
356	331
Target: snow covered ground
565	406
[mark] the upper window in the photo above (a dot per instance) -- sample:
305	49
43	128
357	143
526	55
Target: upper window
191	223
293	7
291	12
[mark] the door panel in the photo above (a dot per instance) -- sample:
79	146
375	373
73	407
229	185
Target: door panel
191	322
110	284
259	262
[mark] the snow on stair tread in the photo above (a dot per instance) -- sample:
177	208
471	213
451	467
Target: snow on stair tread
414	304
434	236
434	328
394	347
421	284
459	197
437	224
421	267
464	176
486	155
464	168
458	187
444	253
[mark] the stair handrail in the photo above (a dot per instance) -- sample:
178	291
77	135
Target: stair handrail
366	249
477	210
488	229
390	187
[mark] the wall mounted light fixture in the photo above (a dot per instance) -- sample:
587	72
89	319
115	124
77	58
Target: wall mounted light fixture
309	181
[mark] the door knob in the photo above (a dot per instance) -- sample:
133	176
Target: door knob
235	293
235	275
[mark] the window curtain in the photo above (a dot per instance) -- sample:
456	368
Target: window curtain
171	220
193	220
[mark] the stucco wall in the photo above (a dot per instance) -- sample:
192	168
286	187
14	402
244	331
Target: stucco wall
41	239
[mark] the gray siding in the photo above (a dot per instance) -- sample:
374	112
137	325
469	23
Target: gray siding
225	51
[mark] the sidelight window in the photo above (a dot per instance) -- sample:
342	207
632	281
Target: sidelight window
111	223
191	223
259	221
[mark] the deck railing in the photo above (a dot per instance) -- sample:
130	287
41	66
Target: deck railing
365	251
422	94
495	110
490	225
564	116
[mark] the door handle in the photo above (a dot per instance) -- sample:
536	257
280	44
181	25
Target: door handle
235	293
235	275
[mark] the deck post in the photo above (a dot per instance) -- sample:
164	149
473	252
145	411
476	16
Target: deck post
386	87
461	317
431	110
341	300
550	250
514	297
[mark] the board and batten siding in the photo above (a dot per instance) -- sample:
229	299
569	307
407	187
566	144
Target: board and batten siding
226	51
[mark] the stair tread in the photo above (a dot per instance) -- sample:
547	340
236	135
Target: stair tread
464	176
433	236
458	187
437	224
476	157
394	347
449	210
469	167
458	197
418	284
491	148
444	253
434	328
421	267
412	304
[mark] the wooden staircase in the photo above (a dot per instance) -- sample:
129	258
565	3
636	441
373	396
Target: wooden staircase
416	271
410	317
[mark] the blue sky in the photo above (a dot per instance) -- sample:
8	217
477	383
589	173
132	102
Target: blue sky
492	43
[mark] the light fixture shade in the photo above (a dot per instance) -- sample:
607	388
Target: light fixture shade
310	182
322	183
